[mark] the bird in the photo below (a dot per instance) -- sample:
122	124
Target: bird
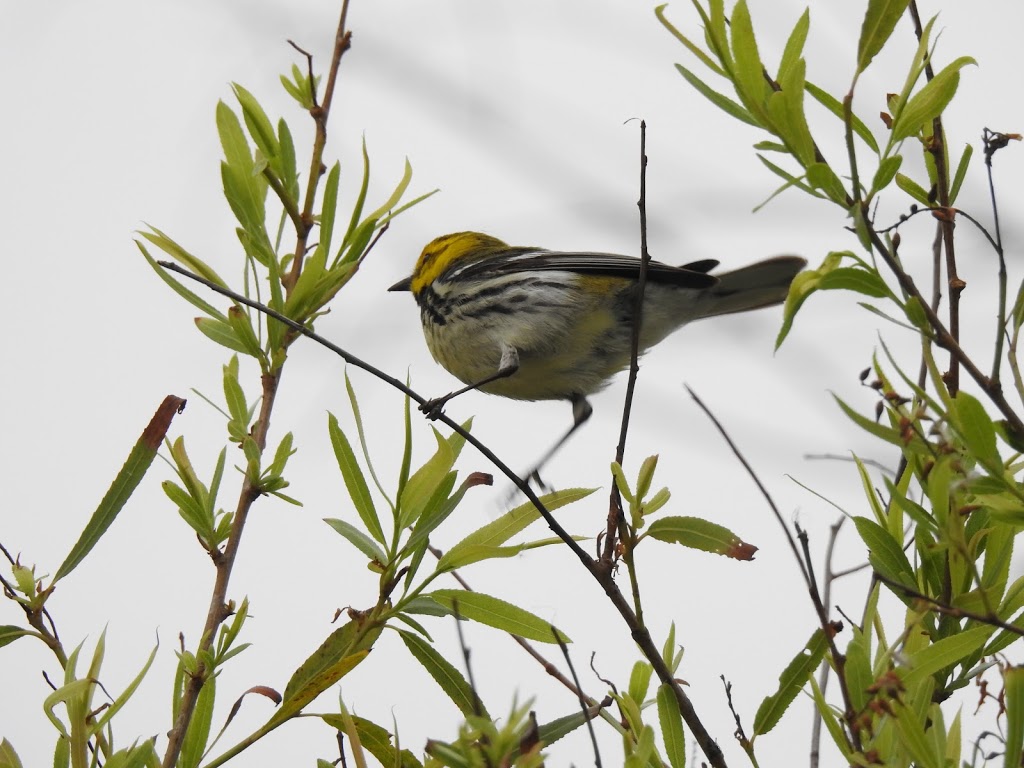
534	324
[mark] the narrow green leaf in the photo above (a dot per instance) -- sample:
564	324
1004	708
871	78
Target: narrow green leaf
693	48
222	333
671	722
888	434
139	460
879	22
358	490
794	45
821	176
424	481
721	101
1013	687
8	757
793	678
945	653
343	649
256	120
961	172
122	699
885	553
496	613
833	105
749	73
497	532
886	172
858	670
856	279
9	633
329	210
445	675
201	304
186	259
930	101
913	738
976	430
913	189
360	540
376	740
556	729
704	535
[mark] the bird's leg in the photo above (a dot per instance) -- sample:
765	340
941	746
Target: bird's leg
507	366
581	411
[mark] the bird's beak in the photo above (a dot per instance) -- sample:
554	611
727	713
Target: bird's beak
402	285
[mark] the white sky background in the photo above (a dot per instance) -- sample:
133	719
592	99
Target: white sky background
518	113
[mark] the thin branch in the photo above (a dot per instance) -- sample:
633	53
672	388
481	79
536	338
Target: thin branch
615	514
994	141
937	148
319	113
583	702
803	559
950	610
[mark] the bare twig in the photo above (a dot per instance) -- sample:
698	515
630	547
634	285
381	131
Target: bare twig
937	149
583	702
803	559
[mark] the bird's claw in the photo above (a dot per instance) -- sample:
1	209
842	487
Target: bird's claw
434	407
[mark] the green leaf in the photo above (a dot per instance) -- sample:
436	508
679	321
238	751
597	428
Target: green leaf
749	71
496	613
256	120
222	333
671	722
930	101
721	101
791	681
360	540
855	279
376	740
833	105
961	173
803	285
343	649
912	736
706	60
945	653
8	757
794	45
888	434
424	481
885	553
886	172
445	675
139	460
879	22
858	670
639	681
701	534
1013	687
821	176
9	633
358	490
786	110
912	188
497	532
976	430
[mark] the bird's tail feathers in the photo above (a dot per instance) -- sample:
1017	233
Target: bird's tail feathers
763	284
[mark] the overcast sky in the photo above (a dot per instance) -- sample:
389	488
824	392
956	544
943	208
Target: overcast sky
522	115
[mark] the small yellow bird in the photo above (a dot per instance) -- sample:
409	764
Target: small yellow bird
532	324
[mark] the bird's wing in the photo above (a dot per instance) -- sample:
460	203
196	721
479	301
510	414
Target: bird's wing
587	263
